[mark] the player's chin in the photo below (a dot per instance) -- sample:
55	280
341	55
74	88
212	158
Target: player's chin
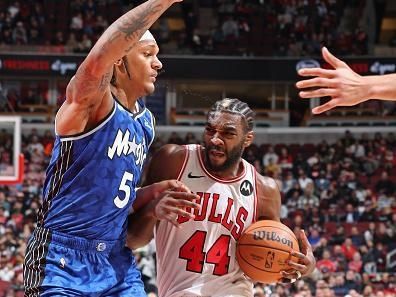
149	88
216	162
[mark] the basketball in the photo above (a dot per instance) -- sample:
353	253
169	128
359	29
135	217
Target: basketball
264	249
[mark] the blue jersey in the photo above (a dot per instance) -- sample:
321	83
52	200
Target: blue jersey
91	179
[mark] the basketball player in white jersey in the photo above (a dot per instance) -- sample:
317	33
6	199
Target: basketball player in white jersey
196	253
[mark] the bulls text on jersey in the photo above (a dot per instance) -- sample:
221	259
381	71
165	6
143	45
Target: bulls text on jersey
215	215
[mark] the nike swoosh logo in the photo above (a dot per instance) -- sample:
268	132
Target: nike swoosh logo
190	175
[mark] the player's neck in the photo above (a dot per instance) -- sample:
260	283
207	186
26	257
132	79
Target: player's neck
126	99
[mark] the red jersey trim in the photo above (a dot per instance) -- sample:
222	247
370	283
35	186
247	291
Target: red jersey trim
186	157
224	181
255	213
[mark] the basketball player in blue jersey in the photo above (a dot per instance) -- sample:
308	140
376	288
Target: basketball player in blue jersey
103	133
196	255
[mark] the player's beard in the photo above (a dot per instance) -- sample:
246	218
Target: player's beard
232	157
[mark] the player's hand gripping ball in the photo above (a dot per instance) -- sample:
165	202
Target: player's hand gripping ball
263	251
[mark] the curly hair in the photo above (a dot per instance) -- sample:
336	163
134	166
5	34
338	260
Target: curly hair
235	106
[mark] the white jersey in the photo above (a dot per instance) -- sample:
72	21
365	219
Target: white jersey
198	258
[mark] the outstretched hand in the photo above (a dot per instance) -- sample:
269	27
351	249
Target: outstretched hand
306	261
342	84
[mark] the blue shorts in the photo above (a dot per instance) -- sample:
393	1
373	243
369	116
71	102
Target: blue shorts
60	265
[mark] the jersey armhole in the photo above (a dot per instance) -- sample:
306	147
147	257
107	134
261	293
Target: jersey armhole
84	134
187	153
255	213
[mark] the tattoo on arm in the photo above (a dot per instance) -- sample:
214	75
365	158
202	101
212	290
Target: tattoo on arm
130	26
135	24
104	81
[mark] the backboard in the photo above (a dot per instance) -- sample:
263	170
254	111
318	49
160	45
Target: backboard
11	159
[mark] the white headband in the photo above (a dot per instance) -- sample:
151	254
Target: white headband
147	36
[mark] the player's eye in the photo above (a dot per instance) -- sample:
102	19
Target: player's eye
229	134
210	130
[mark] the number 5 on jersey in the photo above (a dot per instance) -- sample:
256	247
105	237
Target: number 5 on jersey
124	187
193	251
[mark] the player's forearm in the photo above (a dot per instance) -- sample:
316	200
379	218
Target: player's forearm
140	228
123	34
143	196
381	87
142	221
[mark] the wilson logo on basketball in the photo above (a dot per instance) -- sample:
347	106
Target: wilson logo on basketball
273	236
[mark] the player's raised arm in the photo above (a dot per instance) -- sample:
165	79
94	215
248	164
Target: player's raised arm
343	85
89	88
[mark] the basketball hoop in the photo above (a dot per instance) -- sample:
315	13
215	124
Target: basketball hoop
20	173
12	169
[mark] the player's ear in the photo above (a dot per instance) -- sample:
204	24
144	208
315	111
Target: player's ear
119	64
248	138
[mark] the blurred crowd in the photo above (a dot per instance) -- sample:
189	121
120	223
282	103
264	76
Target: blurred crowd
218	27
276	28
36	23
342	194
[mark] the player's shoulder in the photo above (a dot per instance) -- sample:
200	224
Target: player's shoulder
266	184
166	163
171	150
269	198
170	156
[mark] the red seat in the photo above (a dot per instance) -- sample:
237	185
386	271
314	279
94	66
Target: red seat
330	228
364	180
4	286
278	147
308	149
294	149
361	226
263	148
